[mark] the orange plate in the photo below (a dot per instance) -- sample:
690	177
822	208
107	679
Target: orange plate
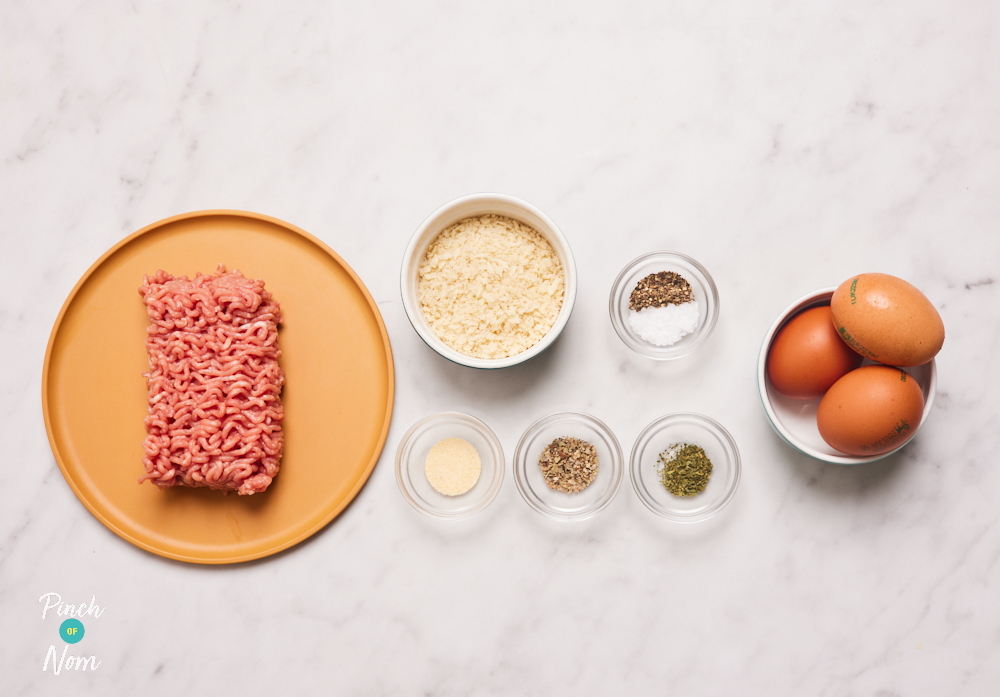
337	396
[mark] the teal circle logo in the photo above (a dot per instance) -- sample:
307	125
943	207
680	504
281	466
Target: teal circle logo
71	631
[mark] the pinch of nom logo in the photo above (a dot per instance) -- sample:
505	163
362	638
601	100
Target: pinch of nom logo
71	631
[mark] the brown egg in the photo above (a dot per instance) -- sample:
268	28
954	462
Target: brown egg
807	356
886	319
870	410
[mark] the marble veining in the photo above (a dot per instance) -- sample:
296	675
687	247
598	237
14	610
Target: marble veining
785	147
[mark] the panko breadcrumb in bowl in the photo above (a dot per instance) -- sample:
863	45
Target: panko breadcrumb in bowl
488	281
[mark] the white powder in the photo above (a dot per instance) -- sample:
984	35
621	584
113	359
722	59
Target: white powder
453	466
665	326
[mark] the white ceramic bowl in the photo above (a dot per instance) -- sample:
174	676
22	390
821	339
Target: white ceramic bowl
412	454
795	419
705	293
469	207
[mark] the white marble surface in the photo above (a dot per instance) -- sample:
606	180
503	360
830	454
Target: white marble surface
786	146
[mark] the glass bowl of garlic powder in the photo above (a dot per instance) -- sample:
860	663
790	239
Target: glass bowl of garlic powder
449	465
664	305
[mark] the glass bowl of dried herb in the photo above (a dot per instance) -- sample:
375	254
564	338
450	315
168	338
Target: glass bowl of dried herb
449	465
664	305
685	467
568	466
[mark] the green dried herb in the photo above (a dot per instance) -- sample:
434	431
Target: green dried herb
684	469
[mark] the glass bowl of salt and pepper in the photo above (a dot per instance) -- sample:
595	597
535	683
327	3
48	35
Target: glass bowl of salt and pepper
664	305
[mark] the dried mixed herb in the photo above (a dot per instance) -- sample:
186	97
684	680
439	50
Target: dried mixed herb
568	464
659	290
684	469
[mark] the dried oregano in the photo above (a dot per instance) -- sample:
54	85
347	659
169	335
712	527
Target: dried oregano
569	464
684	469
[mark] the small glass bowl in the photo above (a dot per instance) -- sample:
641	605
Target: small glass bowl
705	293
696	429
412	454
558	504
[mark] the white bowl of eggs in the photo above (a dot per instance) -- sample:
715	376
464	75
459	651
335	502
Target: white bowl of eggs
847	375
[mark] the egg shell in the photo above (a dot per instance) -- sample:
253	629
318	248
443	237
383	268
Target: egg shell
807	356
886	319
870	410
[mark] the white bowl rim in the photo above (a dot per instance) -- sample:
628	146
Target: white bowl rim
569	278
815	299
495	485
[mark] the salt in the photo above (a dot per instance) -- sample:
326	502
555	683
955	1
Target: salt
665	326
